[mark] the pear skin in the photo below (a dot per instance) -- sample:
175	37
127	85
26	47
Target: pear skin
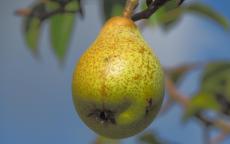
118	83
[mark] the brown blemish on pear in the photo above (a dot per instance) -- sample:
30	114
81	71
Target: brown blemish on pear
104	116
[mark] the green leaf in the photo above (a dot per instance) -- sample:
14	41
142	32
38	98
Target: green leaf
169	14
172	15
72	6
32	26
205	10
172	4
113	8
31	33
162	16
117	10
153	20
150	138
61	27
214	90
203	101
169	19
216	80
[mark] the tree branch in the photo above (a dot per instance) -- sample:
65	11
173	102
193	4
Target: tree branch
219	138
57	11
81	12
184	102
148	2
176	95
206	134
43	15
152	7
155	5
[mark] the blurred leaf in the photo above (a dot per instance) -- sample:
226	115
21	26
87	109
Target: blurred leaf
162	16
205	10
216	80
172	4
61	27
32	26
113	8
71	6
214	92
200	102
103	140
196	8
168	15
32	32
170	18
150	138
117	10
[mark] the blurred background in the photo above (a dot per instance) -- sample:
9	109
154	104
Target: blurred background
35	91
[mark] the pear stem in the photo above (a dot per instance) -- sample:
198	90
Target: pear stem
129	7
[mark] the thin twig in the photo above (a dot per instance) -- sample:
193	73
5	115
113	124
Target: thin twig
206	135
47	14
129	7
219	138
180	3
57	11
23	12
27	12
185	67
176	95
81	12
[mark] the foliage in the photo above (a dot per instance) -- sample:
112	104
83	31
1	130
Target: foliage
61	17
216	81
169	15
61	27
112	8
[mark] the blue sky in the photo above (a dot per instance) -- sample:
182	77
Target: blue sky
35	94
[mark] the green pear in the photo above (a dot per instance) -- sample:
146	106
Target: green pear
118	83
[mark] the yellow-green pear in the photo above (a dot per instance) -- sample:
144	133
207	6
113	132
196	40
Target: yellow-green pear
118	83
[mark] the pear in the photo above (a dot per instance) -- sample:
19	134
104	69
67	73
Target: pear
118	83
